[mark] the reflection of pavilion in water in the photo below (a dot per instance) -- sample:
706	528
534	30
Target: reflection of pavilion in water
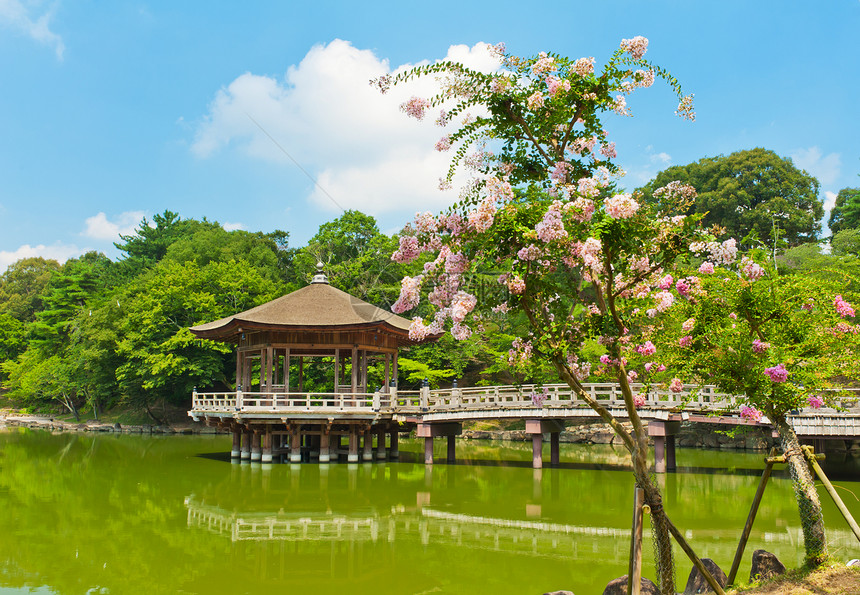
521	537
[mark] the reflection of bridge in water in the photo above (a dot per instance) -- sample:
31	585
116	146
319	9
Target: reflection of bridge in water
522	537
308	425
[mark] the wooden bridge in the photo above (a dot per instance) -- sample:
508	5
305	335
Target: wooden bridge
268	424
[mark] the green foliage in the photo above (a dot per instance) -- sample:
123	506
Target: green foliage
22	287
846	242
846	211
750	191
415	372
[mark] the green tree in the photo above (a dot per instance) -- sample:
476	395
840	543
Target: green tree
777	341
846	242
150	241
22	287
750	191
846	211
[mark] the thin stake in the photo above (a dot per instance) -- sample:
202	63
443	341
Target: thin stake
813	462
750	519
634	575
693	557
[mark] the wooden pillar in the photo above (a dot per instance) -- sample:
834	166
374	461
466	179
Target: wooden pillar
670	453
262	367
296	444
387	385
660	454
246	445
267	446
395	438
554	448
237	444
380	443
354	362
352	457
428	450
240	360
363	378
270	352
394	373
247	363
537	447
336	369
301	374
452	448
367	454
256	446
325	450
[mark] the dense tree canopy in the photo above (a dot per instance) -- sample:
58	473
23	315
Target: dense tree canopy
846	211
751	191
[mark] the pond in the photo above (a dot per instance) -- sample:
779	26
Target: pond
107	513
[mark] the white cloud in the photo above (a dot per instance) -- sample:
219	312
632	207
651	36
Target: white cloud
22	16
362	150
233	226
100	228
59	252
829	200
825	168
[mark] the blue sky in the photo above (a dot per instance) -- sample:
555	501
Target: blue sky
111	111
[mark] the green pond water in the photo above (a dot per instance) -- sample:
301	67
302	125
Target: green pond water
104	513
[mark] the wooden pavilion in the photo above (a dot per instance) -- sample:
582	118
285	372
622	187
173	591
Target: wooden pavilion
273	343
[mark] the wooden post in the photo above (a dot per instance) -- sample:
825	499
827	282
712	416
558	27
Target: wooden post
810	456
256	446
380	443
240	360
670	453
395	438
301	374
693	557
452	448
387	372
367	454
325	445
246	445
287	370
296	444
554	448
660	454
537	447
237	444
354	362
736	563
428	450
267	446
634	574
352	457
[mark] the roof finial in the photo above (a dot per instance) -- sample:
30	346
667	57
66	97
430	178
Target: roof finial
320	275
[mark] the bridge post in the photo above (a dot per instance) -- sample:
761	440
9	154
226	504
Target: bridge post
267	446
380	443
352	457
554	448
295	444
452	448
246	445
325	448
367	453
537	447
237	443
663	433
428	450
394	452
256	446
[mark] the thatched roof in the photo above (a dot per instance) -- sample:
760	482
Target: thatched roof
318	307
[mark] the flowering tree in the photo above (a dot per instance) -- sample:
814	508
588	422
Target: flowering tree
776	341
582	261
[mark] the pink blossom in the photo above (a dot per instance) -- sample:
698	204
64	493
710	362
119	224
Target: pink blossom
609	151
409	294
555	85
551	227
516	285
683	287
647	348
644	78
639	400
456	263
664	300
648	366
685	108
676	190
636	47
750	413
584	66
587	187
443	144
619	106
581	209
843	308
535	101
777	373
706	268
751	269
408	250
560	171
442	119
530	252
810	303
461	304
415	107
418	331
661	368
733	316
461	332
590	252
481	219
605	359
685	341
621	206
725	253
676	386
543	64
666	282
688	325
815	402
632	376
498	190
760	346
426	223
539	398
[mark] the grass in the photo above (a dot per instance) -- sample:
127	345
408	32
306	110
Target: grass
836	579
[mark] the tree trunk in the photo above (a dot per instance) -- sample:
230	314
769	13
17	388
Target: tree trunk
157	421
808	504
